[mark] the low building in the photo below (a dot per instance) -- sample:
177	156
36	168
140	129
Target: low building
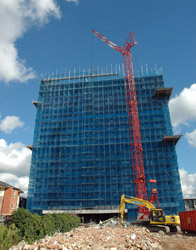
9	199
190	204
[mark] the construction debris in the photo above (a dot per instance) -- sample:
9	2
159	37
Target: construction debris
112	234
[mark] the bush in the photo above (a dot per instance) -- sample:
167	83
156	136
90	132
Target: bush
8	236
52	223
48	224
37	225
26	224
34	227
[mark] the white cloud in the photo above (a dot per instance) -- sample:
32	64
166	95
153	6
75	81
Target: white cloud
191	138
16	16
188	182
14	158
41	10
15	161
9	123
183	106
74	1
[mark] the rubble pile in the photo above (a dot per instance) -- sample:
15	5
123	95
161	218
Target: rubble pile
114	222
112	234
97	238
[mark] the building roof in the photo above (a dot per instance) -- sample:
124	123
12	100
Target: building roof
172	138
6	185
164	91
35	103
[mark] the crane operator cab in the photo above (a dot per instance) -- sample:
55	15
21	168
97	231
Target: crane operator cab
157	215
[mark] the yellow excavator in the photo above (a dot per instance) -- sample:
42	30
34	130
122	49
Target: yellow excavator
156	216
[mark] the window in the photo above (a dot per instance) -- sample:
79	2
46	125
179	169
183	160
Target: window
14	194
12	208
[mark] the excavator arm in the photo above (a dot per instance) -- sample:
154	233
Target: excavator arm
133	200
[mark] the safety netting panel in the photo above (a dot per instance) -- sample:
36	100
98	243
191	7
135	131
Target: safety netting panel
81	154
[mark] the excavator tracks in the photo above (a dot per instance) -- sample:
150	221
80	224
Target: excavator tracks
158	228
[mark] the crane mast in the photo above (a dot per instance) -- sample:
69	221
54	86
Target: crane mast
133	118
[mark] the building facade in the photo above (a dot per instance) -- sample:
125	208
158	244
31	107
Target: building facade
81	157
9	199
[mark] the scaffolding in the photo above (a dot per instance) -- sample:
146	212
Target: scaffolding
81	150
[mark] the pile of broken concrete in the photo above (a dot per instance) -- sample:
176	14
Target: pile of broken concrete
111	235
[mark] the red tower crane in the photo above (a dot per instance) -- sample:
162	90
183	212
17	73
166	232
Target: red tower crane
133	120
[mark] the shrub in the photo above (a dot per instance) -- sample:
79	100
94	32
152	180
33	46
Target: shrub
59	222
37	225
75	221
69	222
24	221
48	224
65	225
52	223
34	227
8	236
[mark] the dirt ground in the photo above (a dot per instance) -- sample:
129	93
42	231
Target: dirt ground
178	242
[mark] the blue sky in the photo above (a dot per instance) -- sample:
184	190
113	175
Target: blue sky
41	37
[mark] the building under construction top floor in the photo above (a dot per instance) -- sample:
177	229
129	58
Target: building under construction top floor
81	157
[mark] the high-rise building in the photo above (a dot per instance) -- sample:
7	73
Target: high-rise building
81	157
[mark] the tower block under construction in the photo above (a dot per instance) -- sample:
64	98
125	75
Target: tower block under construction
81	160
